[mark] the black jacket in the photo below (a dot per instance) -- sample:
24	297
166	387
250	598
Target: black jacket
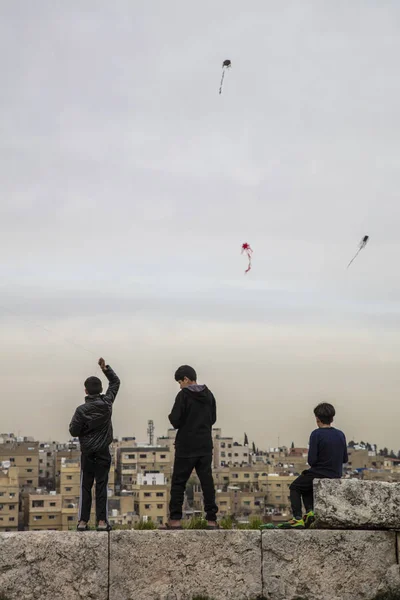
194	413
92	420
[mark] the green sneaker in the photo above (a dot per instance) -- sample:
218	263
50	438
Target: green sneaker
292	524
268	526
309	519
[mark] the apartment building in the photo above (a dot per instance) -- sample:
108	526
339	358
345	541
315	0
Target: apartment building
277	491
25	457
42	511
234	502
121	511
151	497
229	453
142	460
47	463
9	497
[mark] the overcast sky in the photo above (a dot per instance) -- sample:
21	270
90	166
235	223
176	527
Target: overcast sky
128	186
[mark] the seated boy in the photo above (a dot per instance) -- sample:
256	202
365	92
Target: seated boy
326	456
92	424
193	414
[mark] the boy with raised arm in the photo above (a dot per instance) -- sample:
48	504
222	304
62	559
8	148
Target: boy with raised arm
92	424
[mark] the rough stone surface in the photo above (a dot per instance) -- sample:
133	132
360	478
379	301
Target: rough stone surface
354	504
178	565
50	565
329	565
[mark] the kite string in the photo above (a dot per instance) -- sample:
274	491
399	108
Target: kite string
355	256
47	329
222	80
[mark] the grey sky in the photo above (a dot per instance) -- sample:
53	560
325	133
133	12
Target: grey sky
129	185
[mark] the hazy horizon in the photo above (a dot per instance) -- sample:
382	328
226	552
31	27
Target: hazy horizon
129	186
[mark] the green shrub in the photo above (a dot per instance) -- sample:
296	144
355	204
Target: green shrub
227	522
145	525
195	523
254	523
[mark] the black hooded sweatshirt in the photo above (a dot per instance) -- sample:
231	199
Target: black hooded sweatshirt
193	414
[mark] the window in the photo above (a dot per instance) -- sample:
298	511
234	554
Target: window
52	517
29	481
160	494
229	454
52	503
28	460
11	519
147	506
68	489
142	455
12	494
29	470
222	444
246	475
37	518
160	506
236	454
69	477
247	502
278	485
223	454
229	445
70	518
147	494
223	503
1	493
163	456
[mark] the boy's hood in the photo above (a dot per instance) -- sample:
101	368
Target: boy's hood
198	392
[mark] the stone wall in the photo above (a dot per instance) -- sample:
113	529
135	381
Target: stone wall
183	565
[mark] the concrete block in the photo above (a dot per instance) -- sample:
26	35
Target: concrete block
51	565
354	504
178	565
329	565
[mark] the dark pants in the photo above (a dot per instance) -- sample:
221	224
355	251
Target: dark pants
183	468
94	466
302	489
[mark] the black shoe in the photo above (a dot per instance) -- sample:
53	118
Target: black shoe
106	527
82	527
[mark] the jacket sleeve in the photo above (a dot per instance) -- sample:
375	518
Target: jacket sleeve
345	454
214	411
177	416
77	424
313	450
114	383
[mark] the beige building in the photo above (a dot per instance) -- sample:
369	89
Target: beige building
43	511
278	493
9	497
25	457
142	460
151	497
121	511
364	459
234	502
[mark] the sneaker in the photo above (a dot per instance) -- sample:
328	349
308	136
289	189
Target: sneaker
292	524
268	526
82	526
309	519
104	527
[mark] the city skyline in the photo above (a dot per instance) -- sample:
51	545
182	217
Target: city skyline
129	185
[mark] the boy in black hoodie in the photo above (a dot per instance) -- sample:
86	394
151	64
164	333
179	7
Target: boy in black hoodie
193	414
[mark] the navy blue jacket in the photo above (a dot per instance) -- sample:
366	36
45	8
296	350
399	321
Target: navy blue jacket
327	452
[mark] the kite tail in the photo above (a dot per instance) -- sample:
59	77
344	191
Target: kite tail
248	254
354	257
222	81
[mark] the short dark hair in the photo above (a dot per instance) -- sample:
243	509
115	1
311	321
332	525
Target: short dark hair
93	386
325	413
185	371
